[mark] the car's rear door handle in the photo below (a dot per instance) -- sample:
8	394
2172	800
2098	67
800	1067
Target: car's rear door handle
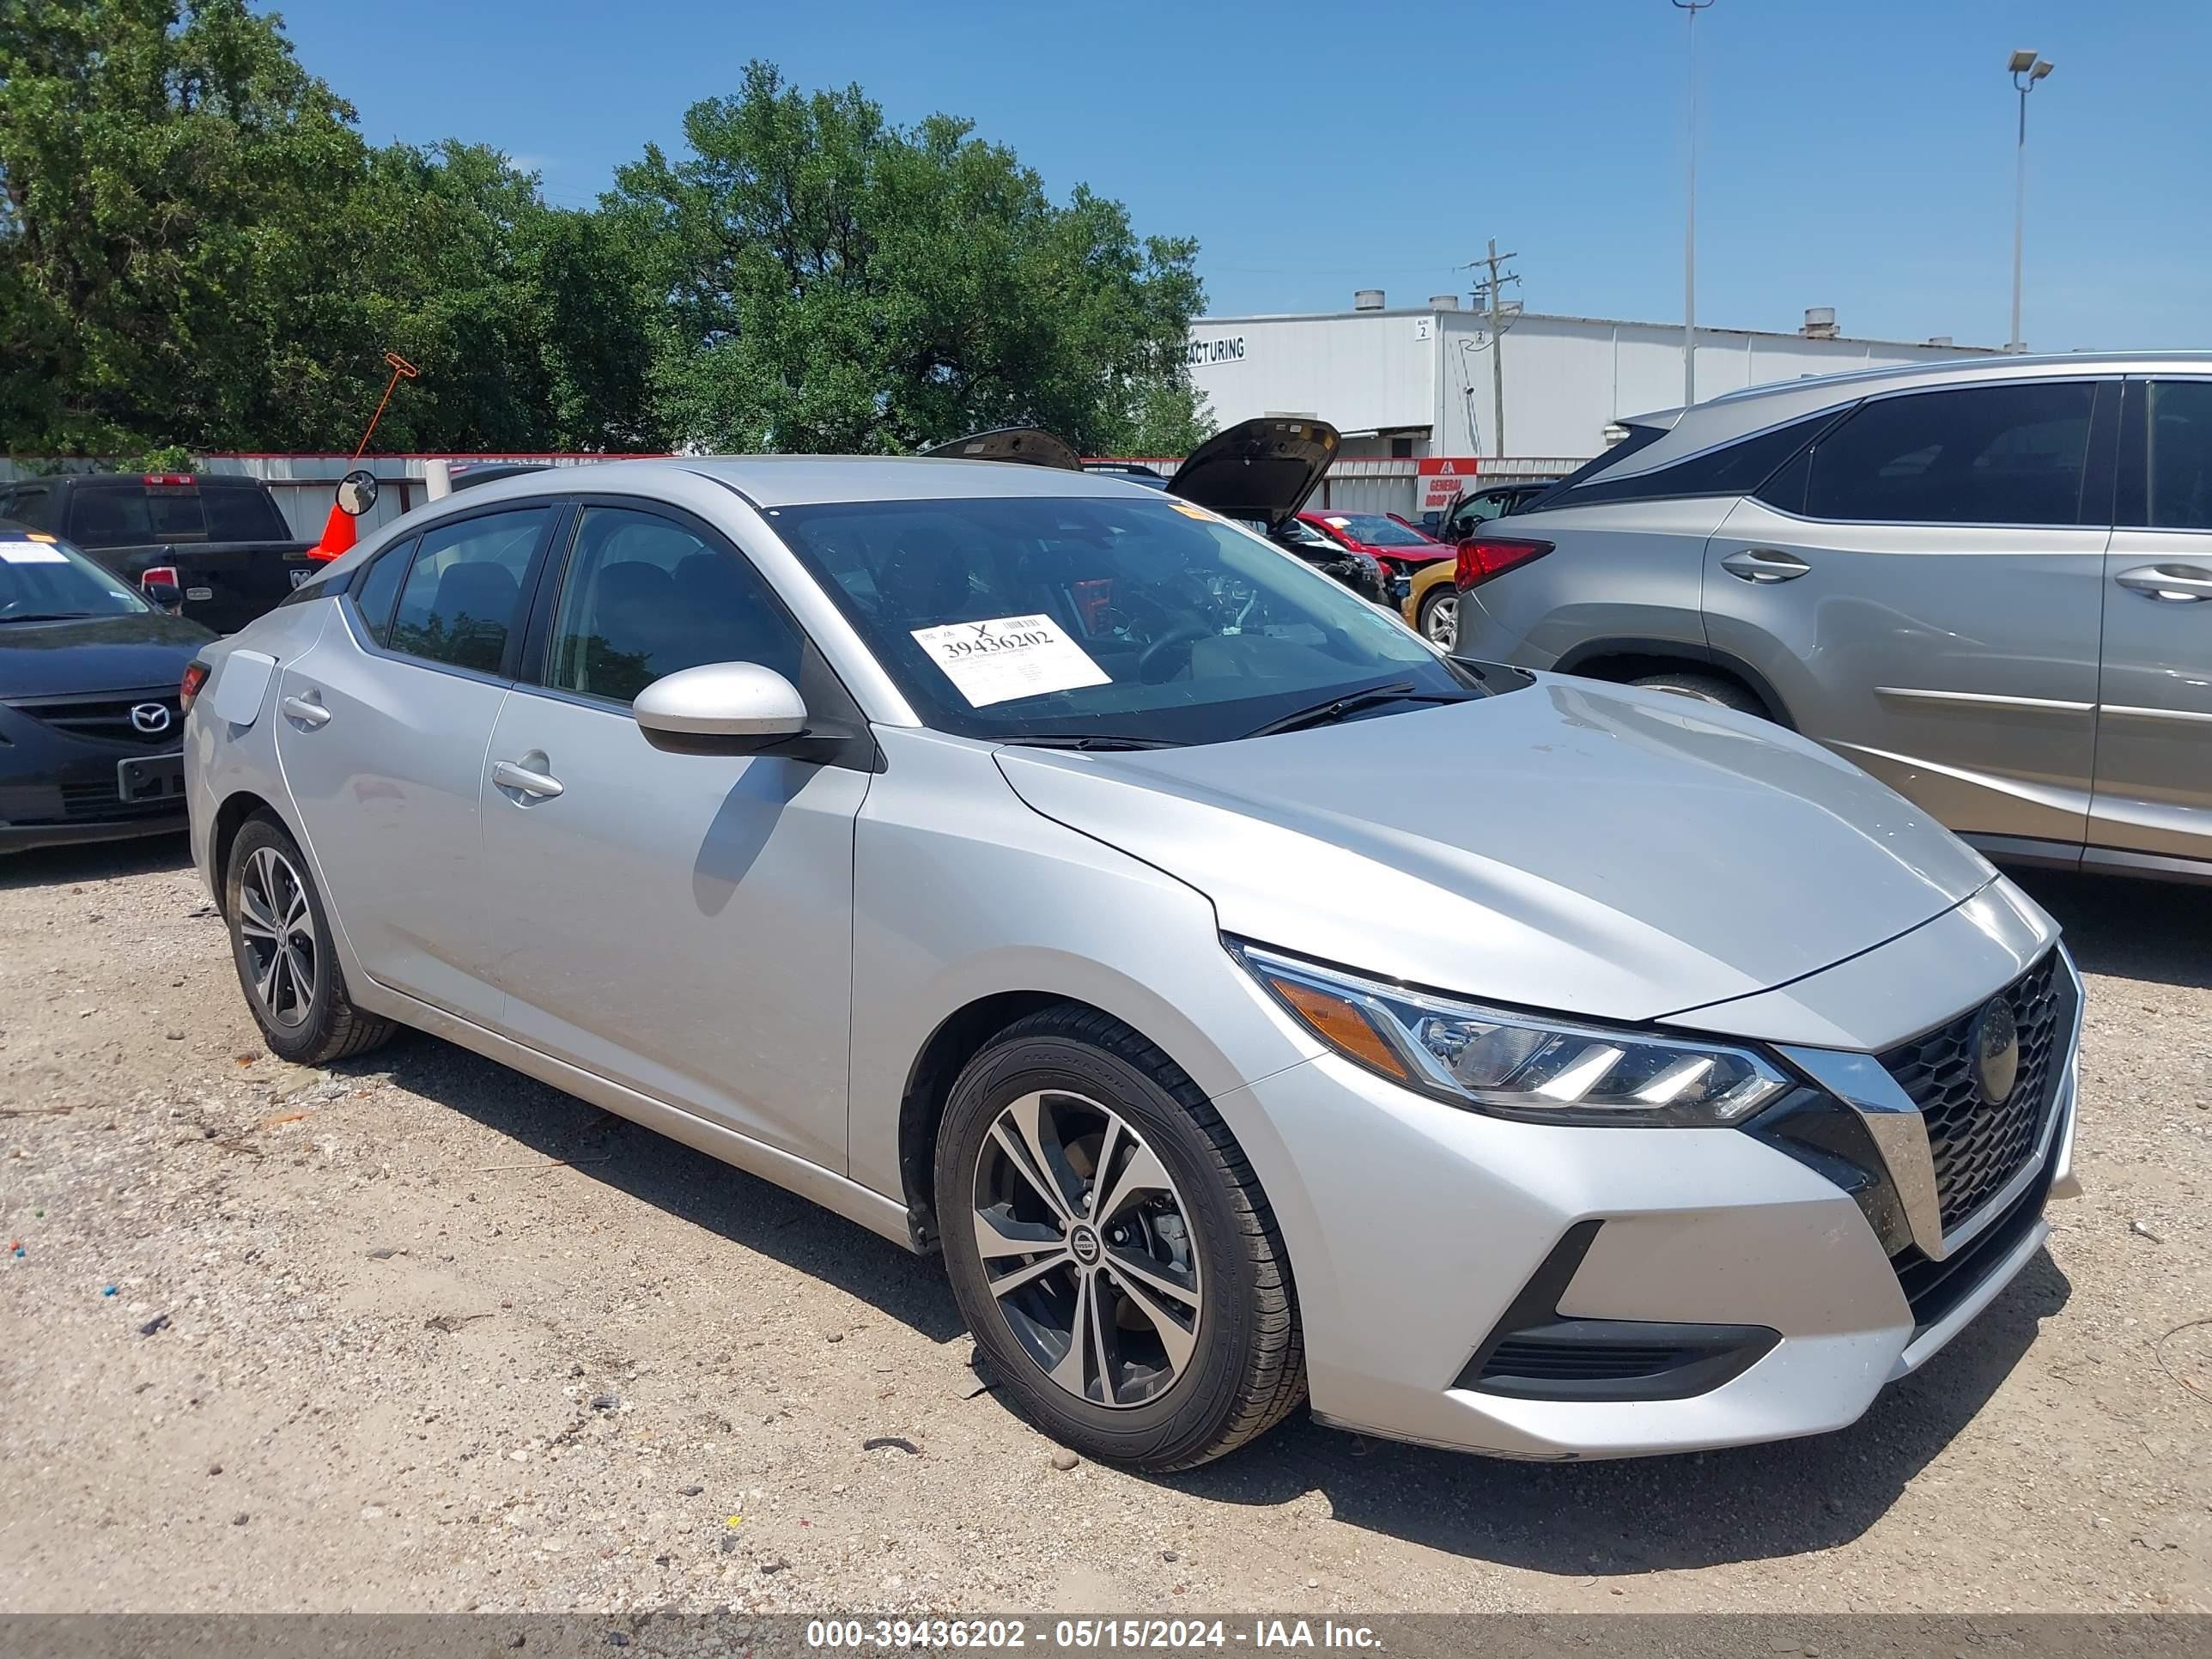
304	711
520	779
2176	584
1764	564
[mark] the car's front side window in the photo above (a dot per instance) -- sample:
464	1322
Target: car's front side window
1098	615
645	596
463	595
2178	461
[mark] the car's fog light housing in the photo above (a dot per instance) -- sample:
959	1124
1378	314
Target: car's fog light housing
1516	1064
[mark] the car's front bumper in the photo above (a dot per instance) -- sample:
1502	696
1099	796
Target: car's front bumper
59	789
1428	1242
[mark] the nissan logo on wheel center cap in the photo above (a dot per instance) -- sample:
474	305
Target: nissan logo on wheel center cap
1995	1051
150	717
1082	1243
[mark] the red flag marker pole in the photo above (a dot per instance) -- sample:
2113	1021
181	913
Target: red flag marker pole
337	529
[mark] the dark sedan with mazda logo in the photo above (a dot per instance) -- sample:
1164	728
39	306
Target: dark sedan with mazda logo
90	729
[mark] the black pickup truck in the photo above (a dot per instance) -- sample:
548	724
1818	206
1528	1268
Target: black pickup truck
220	541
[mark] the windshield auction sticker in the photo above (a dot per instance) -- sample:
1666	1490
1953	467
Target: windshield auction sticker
24	553
1009	657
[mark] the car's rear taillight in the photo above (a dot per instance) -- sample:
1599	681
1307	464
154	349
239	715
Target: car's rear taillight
1486	556
196	676
169	478
158	573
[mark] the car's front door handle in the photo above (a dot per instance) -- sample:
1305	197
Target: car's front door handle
520	779
2176	584
1764	564
307	713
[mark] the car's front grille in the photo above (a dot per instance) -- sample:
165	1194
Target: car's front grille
1979	1147
110	718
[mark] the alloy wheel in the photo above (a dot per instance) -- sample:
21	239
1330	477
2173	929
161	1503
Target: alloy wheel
1443	626
278	929
1087	1249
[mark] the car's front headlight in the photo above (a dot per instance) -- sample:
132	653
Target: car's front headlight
1516	1064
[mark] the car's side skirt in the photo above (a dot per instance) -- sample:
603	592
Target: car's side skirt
795	1175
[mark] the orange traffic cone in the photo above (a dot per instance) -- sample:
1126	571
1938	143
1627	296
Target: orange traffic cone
337	535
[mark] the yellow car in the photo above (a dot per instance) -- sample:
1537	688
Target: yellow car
1432	604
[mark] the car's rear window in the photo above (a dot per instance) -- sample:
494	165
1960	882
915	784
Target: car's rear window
132	515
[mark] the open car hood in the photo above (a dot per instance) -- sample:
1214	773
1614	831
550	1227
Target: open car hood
1032	446
1261	471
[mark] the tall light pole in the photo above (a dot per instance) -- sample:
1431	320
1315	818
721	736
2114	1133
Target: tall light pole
1689	221
2026	68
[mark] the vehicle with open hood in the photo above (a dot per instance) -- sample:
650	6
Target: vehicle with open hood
1259	472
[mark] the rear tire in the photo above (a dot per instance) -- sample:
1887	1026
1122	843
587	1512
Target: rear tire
280	939
1708	688
1438	617
1157	1206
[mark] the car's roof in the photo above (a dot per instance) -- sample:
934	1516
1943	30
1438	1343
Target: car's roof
197	480
1732	415
800	480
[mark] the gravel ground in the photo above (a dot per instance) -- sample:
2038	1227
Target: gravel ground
417	1332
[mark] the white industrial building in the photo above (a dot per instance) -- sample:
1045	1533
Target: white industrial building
1435	380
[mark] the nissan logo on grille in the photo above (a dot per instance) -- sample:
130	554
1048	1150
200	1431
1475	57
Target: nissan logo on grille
150	717
1995	1051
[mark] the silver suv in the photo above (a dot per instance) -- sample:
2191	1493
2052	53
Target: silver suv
1985	582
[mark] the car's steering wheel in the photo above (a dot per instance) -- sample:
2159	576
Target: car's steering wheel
1186	633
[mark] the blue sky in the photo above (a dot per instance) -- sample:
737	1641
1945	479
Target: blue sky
1856	153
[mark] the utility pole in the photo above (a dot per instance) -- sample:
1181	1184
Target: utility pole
1491	291
1689	221
2027	67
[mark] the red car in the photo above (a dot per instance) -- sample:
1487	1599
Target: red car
1396	545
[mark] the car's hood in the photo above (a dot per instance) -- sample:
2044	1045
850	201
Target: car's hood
1619	854
1028	444
1259	470
102	653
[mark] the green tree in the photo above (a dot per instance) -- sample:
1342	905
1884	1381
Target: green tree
197	248
160	177
835	283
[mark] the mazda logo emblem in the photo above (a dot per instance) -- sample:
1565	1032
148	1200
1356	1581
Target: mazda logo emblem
1994	1051
150	717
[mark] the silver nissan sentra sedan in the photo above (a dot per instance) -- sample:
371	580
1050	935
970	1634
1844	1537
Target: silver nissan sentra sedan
1043	870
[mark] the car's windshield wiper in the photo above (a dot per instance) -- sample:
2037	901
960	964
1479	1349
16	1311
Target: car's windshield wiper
1088	740
1321	713
51	616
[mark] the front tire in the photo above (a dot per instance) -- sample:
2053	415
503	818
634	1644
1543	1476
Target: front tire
1439	618
280	939
1111	1249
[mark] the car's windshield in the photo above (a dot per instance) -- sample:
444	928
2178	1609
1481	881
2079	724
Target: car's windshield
1374	529
42	578
1144	619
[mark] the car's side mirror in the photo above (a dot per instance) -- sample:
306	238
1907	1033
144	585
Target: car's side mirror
720	709
165	596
